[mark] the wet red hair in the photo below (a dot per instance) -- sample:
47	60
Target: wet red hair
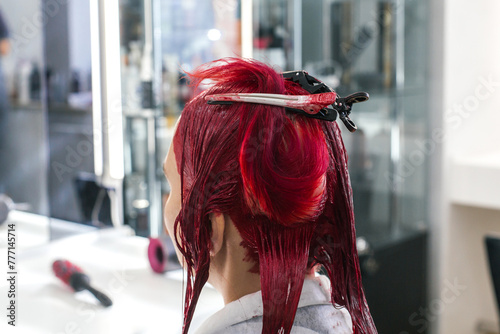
283	180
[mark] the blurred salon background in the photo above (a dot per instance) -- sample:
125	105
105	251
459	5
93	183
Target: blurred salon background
90	91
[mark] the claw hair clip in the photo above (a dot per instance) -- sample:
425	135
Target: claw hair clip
314	105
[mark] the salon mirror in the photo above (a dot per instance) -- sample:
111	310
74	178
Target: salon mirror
51	147
23	138
49	139
46	125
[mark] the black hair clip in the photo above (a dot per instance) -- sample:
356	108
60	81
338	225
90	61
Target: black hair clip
342	105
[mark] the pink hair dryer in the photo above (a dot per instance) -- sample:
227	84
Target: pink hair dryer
161	255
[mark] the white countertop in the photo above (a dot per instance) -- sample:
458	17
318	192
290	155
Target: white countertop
476	181
116	261
31	230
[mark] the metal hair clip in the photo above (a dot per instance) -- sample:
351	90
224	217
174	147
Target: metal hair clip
314	105
309	104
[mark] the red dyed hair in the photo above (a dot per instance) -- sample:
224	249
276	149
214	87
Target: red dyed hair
283	180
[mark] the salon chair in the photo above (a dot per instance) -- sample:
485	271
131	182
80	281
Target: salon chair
394	271
493	251
93	200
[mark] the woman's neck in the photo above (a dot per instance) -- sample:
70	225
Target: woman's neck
229	271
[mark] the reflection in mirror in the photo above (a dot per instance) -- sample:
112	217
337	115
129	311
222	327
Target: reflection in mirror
23	140
74	191
22	144
72	188
46	144
184	35
374	46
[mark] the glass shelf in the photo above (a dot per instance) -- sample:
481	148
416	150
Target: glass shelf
374	46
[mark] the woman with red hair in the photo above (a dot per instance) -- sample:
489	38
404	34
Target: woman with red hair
260	202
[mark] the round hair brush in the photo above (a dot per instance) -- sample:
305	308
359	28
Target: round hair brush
74	277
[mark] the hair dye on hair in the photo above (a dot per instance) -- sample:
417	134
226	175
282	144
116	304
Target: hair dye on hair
282	178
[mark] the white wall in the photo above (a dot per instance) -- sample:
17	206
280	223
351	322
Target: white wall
465	53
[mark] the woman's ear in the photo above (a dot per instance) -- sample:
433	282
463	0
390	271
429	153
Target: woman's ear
218	225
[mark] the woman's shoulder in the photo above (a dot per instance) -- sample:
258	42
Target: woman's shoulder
313	319
315	313
256	328
322	319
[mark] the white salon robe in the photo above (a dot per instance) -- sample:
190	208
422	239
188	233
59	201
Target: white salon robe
315	313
